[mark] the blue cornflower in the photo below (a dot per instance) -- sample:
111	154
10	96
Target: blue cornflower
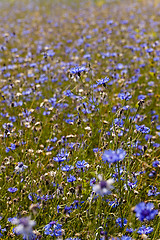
78	70
92	181
142	128
141	97
145	211
20	167
102	81
119	222
71	178
145	230
53	229
111	156
12	119
156	163
67	168
153	191
81	164
125	96
12	189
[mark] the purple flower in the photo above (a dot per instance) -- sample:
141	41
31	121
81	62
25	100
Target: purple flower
111	156
145	211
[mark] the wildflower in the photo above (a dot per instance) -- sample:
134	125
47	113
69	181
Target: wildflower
145	230
67	168
77	70
81	164
125	96
142	128
12	189
145	211
119	222
102	81
71	178
111	156
21	167
53	229
24	227
103	187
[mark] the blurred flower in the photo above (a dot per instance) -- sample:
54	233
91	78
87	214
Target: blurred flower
24	227
111	156
103	187
119	222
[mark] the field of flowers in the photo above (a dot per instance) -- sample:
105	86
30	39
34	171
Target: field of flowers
80	119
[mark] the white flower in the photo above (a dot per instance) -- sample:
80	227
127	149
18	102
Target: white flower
103	187
20	167
24	227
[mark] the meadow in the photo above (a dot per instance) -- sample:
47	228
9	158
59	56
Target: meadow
80	120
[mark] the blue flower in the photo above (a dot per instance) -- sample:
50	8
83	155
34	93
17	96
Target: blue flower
78	70
12	189
102	81
53	229
119	222
67	168
24	227
81	164
156	163
125	96
145	211
142	128
71	178
111	156
145	230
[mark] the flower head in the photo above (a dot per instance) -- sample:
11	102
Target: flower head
145	211
24	227
103	187
142	128
111	156
20	167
